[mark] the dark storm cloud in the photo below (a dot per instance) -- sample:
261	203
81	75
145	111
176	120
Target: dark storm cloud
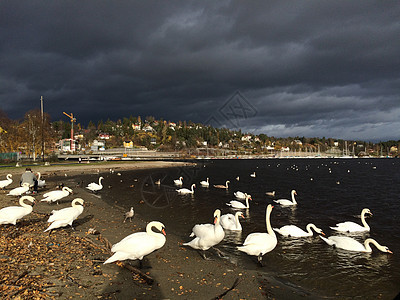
309	68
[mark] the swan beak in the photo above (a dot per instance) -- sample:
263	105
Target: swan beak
390	251
322	233
163	232
215	220
242	216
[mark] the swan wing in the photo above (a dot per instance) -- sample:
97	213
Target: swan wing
258	243
236	204
349	227
65	214
291	230
10	215
139	244
284	202
344	242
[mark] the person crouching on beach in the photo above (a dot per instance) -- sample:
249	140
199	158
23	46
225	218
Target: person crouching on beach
30	178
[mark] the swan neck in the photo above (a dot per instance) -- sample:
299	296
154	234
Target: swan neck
363	221
293	199
267	220
372	241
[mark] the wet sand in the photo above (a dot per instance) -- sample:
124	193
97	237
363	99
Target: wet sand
68	264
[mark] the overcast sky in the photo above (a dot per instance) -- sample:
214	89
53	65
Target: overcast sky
283	68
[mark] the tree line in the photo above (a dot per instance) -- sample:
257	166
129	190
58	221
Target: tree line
36	133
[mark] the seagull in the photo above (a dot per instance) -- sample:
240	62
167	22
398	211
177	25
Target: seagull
129	215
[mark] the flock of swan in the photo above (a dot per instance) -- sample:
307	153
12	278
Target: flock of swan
206	236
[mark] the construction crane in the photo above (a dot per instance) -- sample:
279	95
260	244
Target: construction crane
72	145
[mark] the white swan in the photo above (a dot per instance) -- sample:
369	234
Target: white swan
272	194
207	235
41	183
260	243
286	202
350	244
241	195
139	244
185	191
129	214
6	182
178	181
253	174
54	196
65	216
354	227
231	222
294	231
11	214
94	187
205	183
220	186
18	191
238	204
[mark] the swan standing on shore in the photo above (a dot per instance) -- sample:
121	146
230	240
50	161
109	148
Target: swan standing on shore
6	182
40	182
129	215
238	204
65	216
220	186
231	222
11	214
354	227
205	183
54	196
185	191
207	235
94	187
139	244
286	202
260	243
294	231
178	181
18	191
350	244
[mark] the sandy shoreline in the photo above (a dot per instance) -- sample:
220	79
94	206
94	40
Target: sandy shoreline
68	264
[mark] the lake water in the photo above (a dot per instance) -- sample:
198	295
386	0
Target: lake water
329	191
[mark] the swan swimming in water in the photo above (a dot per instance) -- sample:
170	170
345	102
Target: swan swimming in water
260	243
178	181
11	214
238	204
286	202
94	187
354	227
253	174
65	216
185	191
207	235
139	244
220	186
241	195
231	222
6	182
205	183
294	231
350	244
18	191
54	196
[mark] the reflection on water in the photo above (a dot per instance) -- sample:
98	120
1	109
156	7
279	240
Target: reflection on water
340	189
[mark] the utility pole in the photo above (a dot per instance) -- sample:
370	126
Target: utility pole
72	145
41	110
